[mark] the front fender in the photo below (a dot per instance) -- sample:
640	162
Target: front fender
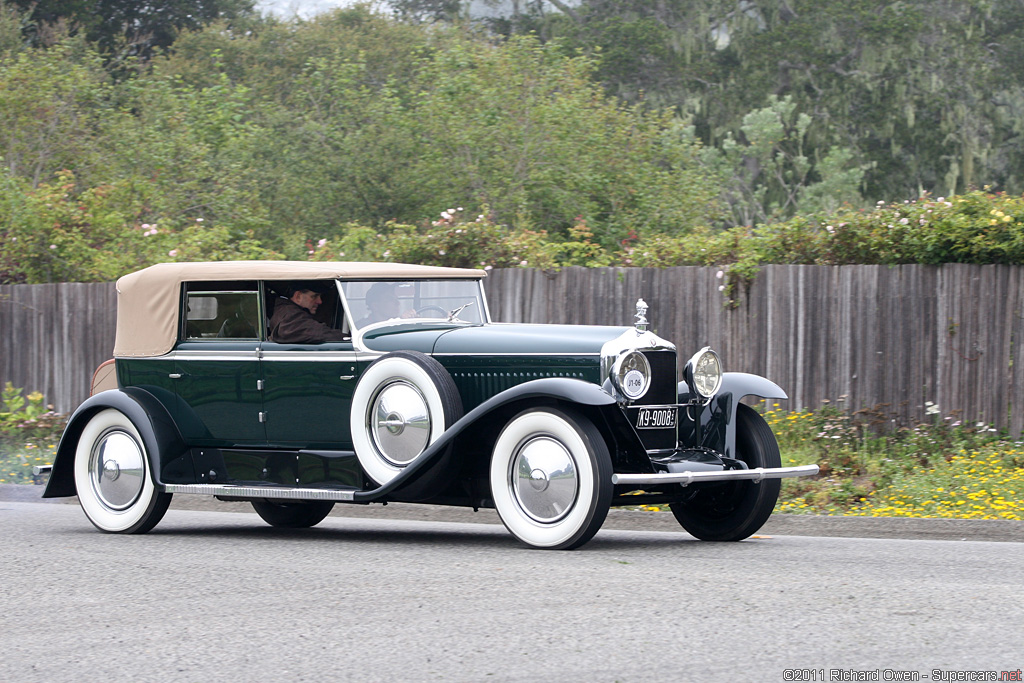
556	388
718	418
159	434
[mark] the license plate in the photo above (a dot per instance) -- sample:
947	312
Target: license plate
656	418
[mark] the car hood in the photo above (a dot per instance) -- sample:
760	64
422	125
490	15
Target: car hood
497	338
508	338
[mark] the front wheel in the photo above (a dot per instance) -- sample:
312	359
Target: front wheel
551	478
112	476
733	510
293	515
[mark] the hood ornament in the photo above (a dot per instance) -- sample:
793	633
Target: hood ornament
641	316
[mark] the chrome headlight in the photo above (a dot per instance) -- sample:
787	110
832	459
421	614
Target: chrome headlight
632	375
703	373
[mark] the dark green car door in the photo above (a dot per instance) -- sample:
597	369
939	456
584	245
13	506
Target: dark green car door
217	367
308	393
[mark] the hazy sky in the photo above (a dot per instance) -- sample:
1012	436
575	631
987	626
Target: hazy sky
304	8
307	8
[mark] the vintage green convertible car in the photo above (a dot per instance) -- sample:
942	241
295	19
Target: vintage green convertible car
417	397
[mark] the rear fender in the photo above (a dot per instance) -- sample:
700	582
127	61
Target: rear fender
159	435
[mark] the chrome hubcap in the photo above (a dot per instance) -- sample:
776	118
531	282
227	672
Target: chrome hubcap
543	479
117	469
400	423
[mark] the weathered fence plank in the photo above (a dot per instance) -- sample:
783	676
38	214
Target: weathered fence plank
53	336
868	336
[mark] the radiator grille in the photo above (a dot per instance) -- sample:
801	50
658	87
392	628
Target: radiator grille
662	393
663	379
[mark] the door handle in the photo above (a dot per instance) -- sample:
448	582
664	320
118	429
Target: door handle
175	375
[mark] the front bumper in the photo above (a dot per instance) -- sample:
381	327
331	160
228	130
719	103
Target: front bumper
687	477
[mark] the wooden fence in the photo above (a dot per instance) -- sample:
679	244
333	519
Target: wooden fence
52	337
864	336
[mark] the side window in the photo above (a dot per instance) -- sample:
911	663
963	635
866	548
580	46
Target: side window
328	309
221	315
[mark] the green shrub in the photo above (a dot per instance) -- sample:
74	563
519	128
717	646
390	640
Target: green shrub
29	433
977	227
939	468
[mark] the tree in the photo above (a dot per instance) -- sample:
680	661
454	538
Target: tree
426	11
365	119
770	174
523	131
50	110
928	94
129	27
11	20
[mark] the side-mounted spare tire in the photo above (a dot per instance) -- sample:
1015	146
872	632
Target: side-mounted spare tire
403	403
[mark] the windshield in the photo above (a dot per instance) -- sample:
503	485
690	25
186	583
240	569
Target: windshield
376	301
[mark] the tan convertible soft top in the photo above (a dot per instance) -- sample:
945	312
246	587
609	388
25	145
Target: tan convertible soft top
148	300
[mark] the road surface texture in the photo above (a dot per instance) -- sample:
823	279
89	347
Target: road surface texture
213	594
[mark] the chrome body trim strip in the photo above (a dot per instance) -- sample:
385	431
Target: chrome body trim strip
310	356
41	469
326	356
211	354
347	321
273	492
332	355
684	478
552	354
486	308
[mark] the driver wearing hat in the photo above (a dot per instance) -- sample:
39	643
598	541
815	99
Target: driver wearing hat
293	321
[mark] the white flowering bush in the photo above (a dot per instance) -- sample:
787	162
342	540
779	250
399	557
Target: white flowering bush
465	241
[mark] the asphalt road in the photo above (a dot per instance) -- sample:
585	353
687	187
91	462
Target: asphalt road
217	595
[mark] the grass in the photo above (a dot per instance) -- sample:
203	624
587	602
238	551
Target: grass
940	469
16	463
29	433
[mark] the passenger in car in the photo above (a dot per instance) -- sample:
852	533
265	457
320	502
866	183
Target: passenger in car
382	304
240	324
292	321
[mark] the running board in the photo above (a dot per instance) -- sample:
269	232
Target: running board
275	492
684	478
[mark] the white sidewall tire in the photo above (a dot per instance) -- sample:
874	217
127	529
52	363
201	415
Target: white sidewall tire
102	516
381	373
542	535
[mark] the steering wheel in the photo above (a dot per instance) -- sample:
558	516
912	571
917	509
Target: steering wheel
426	310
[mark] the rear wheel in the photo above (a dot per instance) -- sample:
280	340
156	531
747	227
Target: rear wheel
551	478
293	515
733	510
112	476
